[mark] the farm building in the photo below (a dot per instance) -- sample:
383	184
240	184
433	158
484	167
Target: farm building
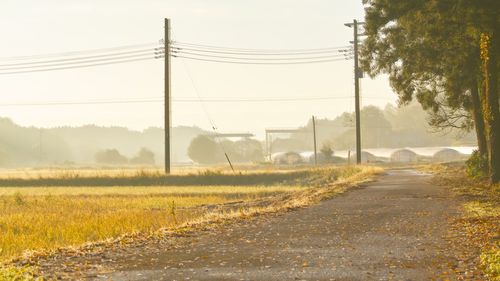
442	154
447	155
403	155
382	154
287	158
308	157
377	155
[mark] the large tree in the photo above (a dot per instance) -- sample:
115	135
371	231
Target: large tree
431	51
204	150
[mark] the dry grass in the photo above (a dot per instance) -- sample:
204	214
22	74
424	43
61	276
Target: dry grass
120	172
13	273
481	217
44	218
130	191
154	177
31	219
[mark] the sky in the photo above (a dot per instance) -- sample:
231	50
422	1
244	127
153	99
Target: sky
32	27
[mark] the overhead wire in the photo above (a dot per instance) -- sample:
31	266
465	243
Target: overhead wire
258	59
133	53
260	63
212	123
82	52
79	66
77	62
176	43
150	51
161	99
268	53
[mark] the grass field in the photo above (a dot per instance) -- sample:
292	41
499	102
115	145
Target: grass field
58	209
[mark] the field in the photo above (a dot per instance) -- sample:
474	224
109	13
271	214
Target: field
47	209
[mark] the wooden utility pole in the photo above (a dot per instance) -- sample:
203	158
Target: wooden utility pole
40	146
357	75
314	137
168	114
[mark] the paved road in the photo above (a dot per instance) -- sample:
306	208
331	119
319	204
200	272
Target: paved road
390	229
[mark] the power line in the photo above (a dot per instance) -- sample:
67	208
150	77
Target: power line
260	63
266	99
269	53
176	43
80	62
258	59
149	51
214	128
134	53
79	66
187	100
80	103
83	52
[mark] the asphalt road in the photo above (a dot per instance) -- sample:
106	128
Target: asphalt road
390	229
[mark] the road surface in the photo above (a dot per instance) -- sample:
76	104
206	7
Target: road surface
390	229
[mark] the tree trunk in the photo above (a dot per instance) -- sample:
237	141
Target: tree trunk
489	53
477	114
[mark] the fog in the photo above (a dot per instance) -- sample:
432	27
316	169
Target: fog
388	127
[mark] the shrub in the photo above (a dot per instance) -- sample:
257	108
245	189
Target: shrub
110	156
477	165
145	156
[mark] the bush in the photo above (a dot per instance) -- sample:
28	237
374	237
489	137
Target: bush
477	165
145	156
110	156
204	150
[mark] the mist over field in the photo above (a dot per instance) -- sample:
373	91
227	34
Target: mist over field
249	140
390	127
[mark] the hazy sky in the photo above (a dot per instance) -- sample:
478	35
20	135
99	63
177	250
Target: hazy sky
29	27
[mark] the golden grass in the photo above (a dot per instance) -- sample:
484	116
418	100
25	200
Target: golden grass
44	218
491	262
149	190
120	172
48	218
12	273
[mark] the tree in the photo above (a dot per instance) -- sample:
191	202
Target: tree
489	67
375	129
248	150
326	151
204	150
431	51
110	156
145	156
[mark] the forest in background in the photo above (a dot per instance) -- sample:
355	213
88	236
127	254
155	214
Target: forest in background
389	127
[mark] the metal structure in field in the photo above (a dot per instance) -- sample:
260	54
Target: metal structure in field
230	135
269	137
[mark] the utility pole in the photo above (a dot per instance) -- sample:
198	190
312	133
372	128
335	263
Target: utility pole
168	113
40	146
357	75
314	137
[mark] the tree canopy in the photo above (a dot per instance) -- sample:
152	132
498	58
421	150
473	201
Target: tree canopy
433	51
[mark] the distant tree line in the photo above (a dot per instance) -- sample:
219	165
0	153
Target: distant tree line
114	157
391	127
30	146
208	150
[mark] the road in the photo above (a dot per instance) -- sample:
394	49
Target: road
390	229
